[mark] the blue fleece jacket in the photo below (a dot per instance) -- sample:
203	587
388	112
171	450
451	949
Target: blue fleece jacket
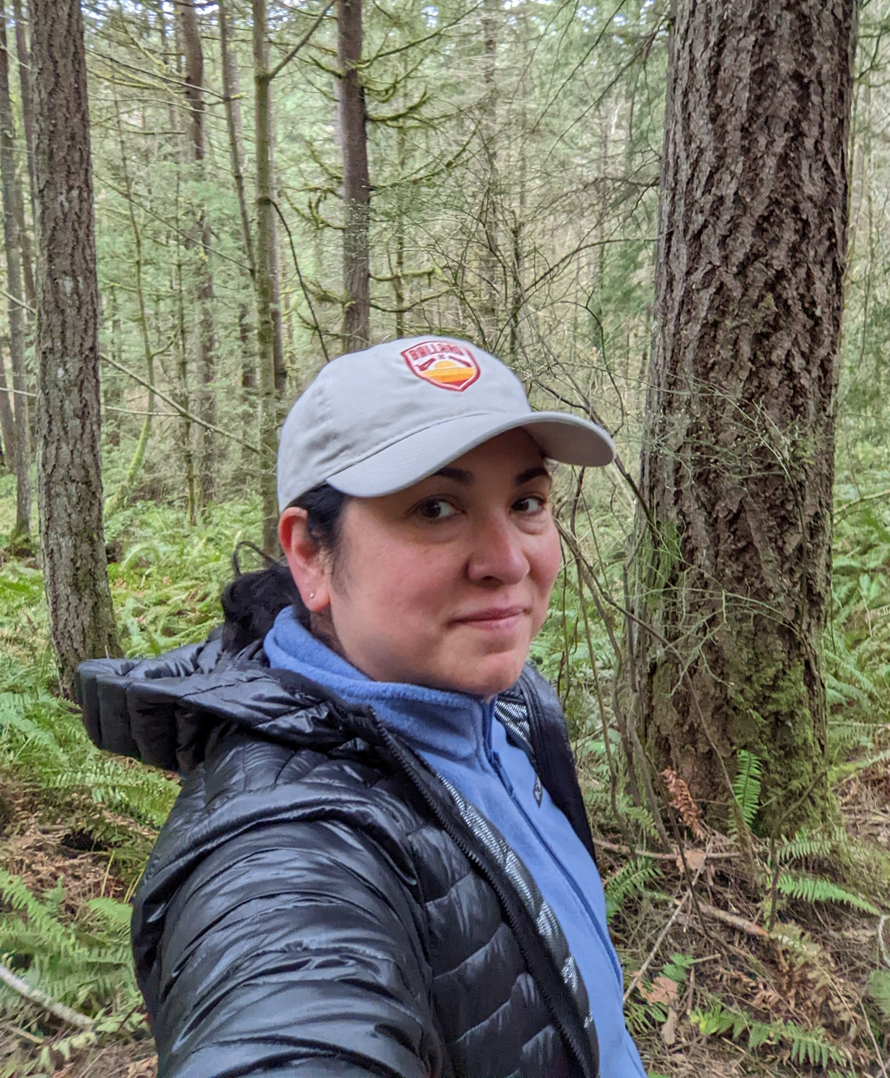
462	740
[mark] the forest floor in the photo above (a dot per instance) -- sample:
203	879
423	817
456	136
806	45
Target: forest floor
776	968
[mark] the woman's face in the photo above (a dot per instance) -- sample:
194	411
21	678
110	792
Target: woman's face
446	583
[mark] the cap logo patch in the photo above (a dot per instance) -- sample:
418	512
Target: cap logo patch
443	363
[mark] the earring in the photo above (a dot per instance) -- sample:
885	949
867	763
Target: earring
311	594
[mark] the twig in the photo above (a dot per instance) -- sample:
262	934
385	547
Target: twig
638	976
169	400
878	1055
614	847
732	919
35	995
882	947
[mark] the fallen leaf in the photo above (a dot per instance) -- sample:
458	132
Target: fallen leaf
663	990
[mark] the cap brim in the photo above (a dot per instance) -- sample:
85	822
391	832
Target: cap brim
565	438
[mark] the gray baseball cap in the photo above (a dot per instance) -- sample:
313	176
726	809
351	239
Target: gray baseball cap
377	421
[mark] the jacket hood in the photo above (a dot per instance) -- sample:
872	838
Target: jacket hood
162	710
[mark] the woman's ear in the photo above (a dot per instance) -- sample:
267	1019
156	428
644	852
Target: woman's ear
307	563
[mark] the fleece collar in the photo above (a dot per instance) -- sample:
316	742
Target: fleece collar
452	725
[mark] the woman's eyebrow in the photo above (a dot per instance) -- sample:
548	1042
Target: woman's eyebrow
531	473
459	475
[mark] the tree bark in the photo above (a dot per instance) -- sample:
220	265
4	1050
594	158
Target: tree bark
231	94
12	237
69	478
273	376
738	457
7	422
356	181
205	333
24	57
24	66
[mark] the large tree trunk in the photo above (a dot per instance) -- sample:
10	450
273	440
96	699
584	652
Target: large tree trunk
738	447
69	478
12	218
356	182
273	376
206	337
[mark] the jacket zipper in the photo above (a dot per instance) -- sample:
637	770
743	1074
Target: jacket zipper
575	1045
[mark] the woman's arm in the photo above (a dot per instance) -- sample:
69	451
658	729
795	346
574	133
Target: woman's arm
292	950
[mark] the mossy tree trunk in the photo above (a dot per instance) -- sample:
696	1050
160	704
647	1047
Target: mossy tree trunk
734	556
69	479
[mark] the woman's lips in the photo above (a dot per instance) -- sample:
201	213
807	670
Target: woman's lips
494	618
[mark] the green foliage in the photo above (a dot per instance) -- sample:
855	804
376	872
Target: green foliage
813	889
746	787
84	963
805	1046
632	879
879	990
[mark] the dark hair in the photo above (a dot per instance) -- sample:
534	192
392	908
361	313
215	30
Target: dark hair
252	601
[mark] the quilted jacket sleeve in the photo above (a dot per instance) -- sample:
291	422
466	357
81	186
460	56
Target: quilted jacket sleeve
291	950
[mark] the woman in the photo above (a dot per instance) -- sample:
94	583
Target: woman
379	863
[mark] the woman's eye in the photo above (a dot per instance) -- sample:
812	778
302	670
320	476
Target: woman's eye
530	505
436	509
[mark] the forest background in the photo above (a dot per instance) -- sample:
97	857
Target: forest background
275	183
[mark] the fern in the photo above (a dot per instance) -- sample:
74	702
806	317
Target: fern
632	878
85	963
814	889
805	1046
746	786
879	990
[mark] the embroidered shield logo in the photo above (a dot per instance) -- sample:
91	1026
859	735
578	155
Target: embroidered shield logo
443	363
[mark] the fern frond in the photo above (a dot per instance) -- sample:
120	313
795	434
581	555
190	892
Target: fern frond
746	786
632	878
814	889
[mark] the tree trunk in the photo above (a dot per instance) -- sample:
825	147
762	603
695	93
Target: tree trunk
490	259
273	376
205	333
7	423
69	478
21	48
738	456
11	237
24	64
231	96
356	182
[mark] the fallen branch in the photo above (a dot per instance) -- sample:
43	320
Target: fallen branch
35	995
615	847
732	919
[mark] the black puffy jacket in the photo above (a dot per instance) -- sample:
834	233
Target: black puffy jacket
318	902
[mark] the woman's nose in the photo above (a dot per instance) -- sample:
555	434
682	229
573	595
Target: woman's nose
498	551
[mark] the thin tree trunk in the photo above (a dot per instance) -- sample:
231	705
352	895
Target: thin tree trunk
356	181
69	477
11	236
270	352
489	260
7	422
738	458
24	55
122	494
24	64
206	337
231	95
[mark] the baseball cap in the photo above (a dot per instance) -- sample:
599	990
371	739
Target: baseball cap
377	421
